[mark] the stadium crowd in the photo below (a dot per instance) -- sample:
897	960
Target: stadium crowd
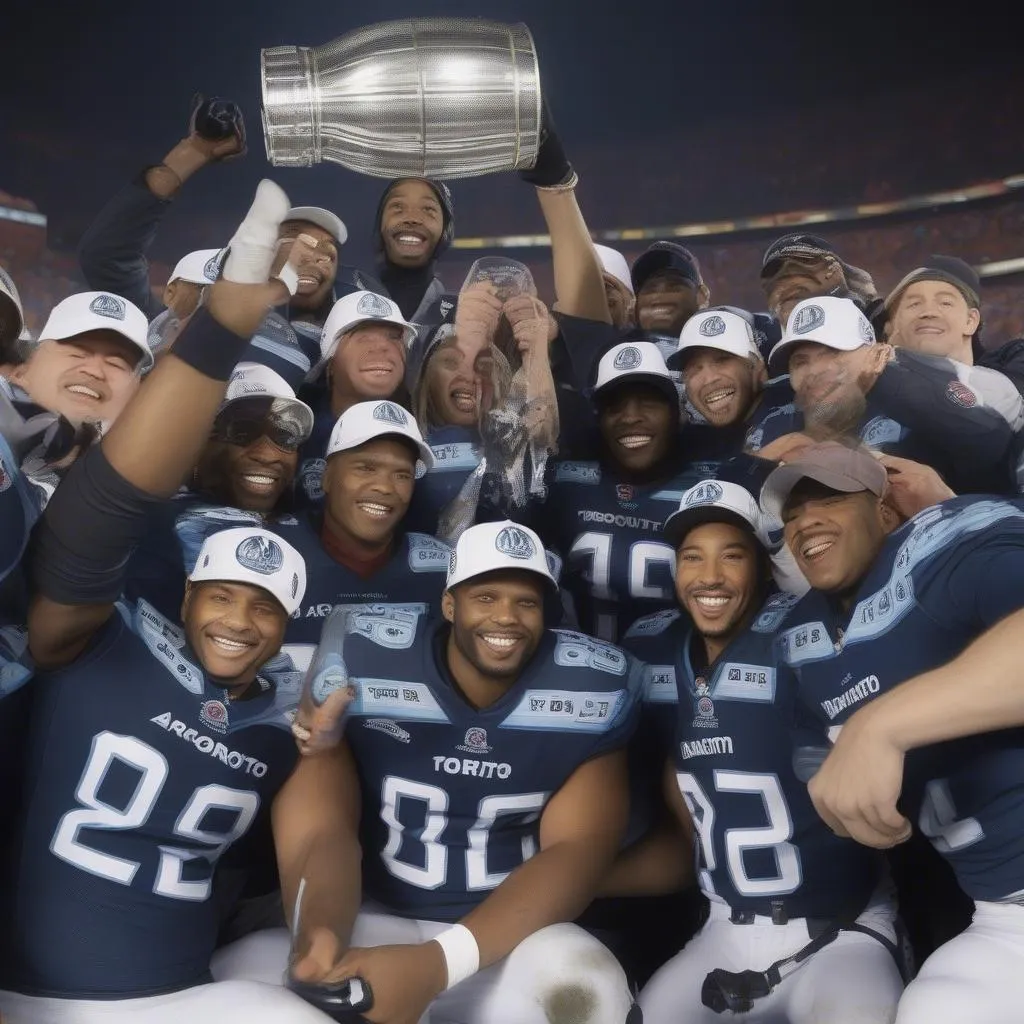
383	644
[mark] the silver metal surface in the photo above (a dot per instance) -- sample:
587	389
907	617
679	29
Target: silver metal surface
434	97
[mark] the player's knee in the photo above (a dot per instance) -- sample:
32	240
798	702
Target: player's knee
260	956
574	978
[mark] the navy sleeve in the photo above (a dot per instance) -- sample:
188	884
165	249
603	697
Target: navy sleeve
985	586
970	421
112	252
626	716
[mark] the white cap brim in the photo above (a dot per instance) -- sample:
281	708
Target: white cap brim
331	223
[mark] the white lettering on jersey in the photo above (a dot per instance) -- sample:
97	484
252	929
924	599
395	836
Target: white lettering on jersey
659	684
739	681
467	766
427	554
705	747
856	693
206	745
611	519
395	699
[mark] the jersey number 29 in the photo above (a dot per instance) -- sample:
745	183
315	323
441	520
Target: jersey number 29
97	814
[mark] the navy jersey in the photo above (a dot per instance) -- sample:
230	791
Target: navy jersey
940	581
456	454
413	579
452	796
140	775
960	420
761	846
309	492
616	567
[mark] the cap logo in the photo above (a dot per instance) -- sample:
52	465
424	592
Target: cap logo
866	332
388	412
374	305
808	319
109	306
516	543
628	358
711	327
704	494
260	554
212	268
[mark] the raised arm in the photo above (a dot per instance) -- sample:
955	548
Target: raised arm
113	251
97	515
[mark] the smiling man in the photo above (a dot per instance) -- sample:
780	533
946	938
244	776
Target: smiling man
363	350
722	707
669	288
964	422
605	516
89	359
889	602
488	754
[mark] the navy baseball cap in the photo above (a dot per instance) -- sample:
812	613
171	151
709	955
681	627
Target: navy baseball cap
956	272
665	256
800	246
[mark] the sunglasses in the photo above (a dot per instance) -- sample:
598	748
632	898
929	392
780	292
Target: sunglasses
244	432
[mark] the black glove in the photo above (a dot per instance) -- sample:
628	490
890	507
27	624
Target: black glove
216	119
552	167
341	1002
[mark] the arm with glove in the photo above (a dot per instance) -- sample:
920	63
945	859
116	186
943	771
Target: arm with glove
112	252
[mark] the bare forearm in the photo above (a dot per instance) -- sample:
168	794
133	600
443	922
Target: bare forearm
579	281
166	178
332	869
556	885
980	691
659	863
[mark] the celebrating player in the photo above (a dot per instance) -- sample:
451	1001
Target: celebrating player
493	785
885	605
155	748
605	516
779	883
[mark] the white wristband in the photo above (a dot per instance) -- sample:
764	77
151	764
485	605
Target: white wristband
461	953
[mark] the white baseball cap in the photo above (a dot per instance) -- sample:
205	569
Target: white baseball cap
331	223
719	329
368	420
254	380
199	267
360	308
247	554
490	547
614	264
99	311
12	320
639	361
715	501
827	320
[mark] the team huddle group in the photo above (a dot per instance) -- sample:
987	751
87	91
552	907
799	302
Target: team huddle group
375	651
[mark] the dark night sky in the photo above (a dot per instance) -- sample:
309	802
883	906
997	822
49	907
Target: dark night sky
92	95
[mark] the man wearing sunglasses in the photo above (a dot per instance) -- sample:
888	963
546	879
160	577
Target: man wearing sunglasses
244	475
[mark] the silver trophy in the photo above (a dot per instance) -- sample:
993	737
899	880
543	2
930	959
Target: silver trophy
426	97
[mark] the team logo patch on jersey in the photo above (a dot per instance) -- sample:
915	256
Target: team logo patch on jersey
515	543
109	306
214	715
704	494
260	554
960	394
809	318
385	725
311	477
705	706
628	358
711	327
388	412
372	304
475	741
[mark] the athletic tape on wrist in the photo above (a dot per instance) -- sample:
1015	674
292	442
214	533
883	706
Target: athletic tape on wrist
208	346
461	953
289	277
